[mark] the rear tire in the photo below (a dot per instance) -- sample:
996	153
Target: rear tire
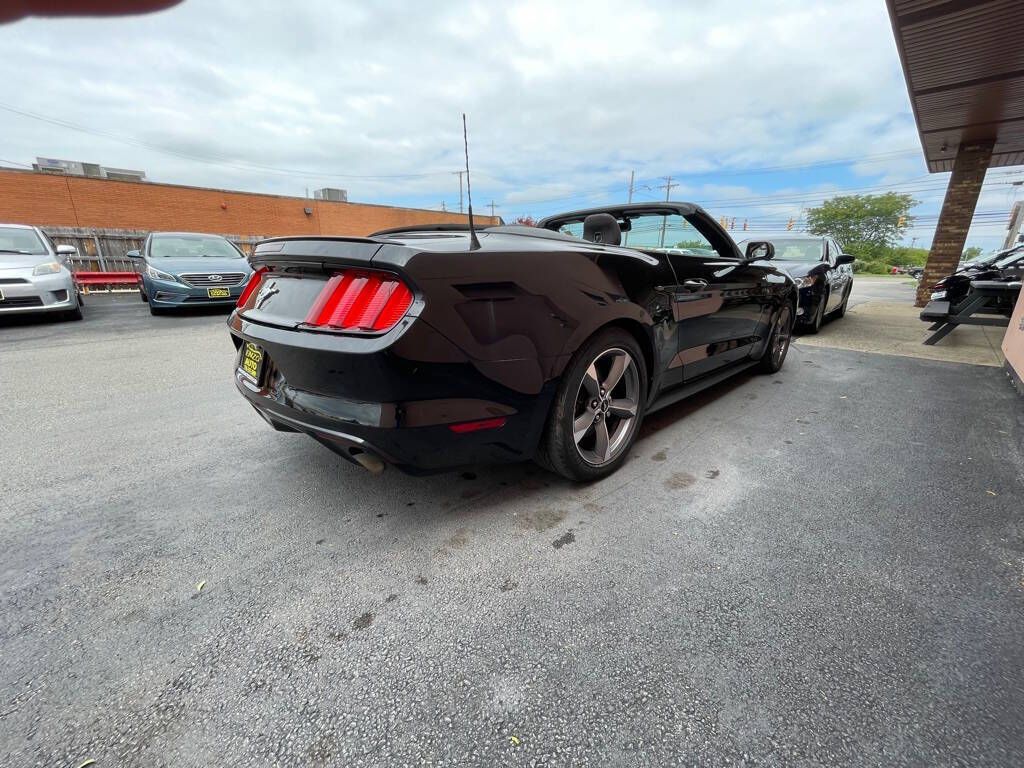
74	314
598	408
779	338
142	295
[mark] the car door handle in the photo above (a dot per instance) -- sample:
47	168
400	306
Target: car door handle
695	285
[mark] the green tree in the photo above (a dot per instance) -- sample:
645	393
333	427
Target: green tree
972	253
866	225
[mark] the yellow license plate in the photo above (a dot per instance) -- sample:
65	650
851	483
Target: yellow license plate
252	362
218	293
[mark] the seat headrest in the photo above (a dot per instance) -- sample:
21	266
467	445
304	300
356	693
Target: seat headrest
602	228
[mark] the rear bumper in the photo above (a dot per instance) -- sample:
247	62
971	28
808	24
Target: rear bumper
397	399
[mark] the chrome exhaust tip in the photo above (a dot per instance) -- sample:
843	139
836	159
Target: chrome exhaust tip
373	464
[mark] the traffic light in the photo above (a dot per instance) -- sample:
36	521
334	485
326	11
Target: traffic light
790	225
744	225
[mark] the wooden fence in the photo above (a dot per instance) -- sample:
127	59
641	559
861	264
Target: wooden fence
103	250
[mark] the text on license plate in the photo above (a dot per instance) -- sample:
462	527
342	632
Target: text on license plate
218	293
252	362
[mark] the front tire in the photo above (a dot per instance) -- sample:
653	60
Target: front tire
841	310
598	408
819	316
778	340
156	310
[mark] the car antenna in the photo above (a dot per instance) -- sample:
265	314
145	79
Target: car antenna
474	244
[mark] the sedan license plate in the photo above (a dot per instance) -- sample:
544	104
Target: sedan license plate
251	365
218	293
938	295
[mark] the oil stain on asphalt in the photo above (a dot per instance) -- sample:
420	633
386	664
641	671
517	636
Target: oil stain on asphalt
679	480
567	538
659	456
542	519
363	621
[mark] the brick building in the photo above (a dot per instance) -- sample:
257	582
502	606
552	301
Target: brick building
51	201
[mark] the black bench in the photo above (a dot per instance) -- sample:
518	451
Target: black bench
984	299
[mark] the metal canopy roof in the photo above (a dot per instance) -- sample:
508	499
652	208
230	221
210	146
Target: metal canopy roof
964	65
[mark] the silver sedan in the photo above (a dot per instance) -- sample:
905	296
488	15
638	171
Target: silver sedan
33	274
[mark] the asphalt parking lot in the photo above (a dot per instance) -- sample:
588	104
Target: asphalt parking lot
813	568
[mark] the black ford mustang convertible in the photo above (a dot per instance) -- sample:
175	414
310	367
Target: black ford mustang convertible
429	348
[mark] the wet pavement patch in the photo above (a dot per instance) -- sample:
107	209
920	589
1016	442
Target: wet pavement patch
711	474
421	579
363	621
679	480
320	541
391	598
659	456
567	538
508	585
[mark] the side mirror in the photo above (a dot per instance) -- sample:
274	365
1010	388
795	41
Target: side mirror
67	250
845	258
133	255
760	250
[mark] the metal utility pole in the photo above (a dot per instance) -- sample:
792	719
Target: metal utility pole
667	186
459	174
493	206
1016	219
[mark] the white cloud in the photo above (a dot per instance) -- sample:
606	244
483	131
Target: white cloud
563	99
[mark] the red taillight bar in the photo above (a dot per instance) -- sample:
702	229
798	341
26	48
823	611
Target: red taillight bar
360	301
475	426
252	285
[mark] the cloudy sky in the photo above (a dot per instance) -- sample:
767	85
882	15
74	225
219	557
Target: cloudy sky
756	110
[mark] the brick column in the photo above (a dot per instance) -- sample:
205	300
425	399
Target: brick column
955	218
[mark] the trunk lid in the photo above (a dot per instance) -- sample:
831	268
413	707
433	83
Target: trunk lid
299	272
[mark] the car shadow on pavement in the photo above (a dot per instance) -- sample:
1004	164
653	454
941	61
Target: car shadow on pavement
528	492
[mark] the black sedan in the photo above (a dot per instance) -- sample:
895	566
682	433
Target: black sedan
1006	265
433	347
823	273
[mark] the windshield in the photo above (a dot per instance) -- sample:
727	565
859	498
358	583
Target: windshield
21	240
672	234
1010	259
192	246
797	249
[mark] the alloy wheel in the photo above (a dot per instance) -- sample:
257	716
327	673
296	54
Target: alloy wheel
606	407
783	332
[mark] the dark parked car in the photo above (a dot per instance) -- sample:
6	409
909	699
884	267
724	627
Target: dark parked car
429	349
185	269
824	275
1005	265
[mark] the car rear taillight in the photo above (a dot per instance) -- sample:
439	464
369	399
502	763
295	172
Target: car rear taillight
360	301
939	285
252	285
